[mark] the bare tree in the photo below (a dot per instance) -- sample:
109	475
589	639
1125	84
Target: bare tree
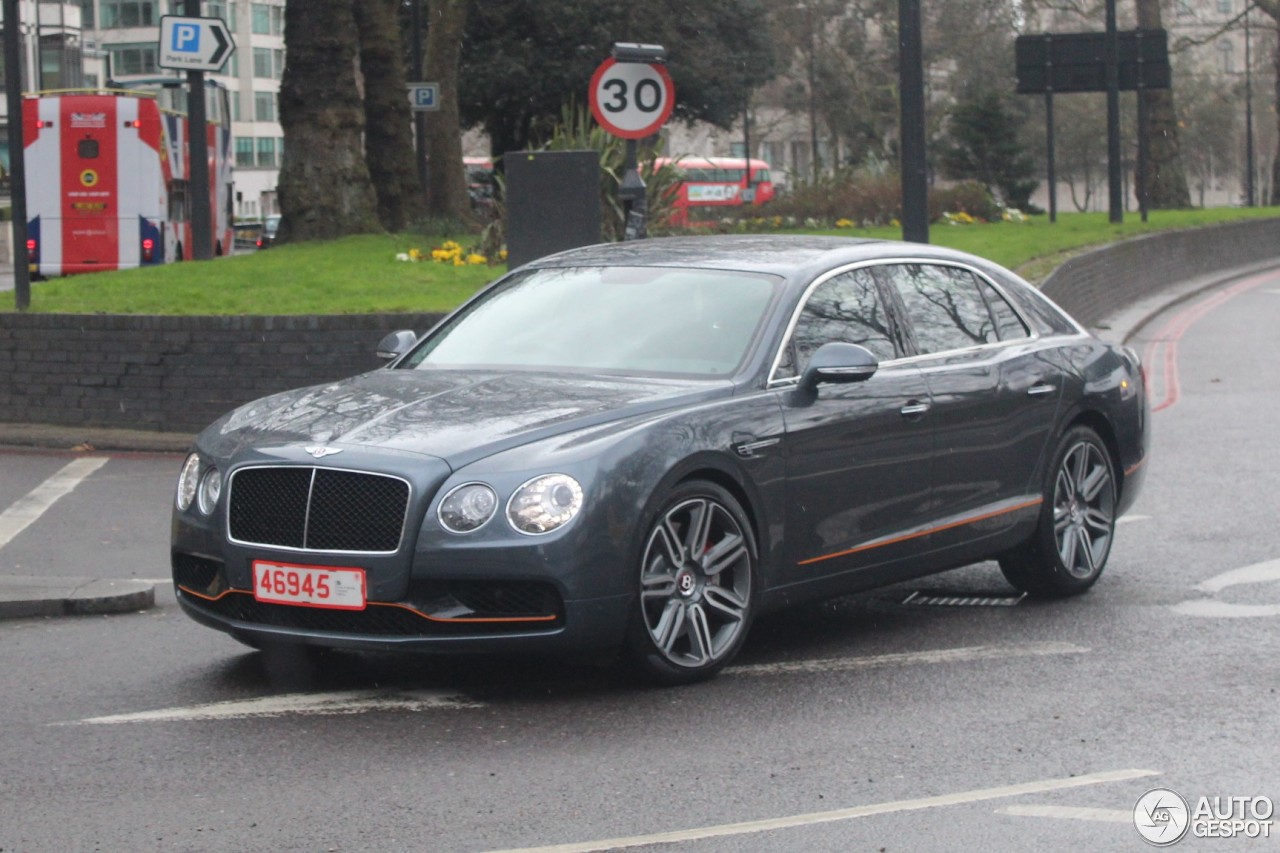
1163	178
388	137
447	195
1272	9
324	184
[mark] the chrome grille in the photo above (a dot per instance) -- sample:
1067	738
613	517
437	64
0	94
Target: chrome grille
317	509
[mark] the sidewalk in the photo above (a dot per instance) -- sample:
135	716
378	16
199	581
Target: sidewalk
27	597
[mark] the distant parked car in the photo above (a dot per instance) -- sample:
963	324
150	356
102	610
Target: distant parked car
269	230
643	445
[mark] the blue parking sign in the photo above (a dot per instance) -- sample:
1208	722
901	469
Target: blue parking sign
424	97
186	38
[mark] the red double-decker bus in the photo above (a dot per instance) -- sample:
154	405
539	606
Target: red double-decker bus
107	177
711	182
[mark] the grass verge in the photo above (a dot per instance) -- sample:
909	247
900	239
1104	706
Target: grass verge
361	274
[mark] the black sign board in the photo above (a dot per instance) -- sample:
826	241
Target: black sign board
1076	62
553	202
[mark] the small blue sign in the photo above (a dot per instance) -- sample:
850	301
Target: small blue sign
424	97
186	38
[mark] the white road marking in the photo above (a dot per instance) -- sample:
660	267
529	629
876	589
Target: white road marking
1130	519
1208	607
1257	573
1069	813
958	655
774	824
346	702
27	509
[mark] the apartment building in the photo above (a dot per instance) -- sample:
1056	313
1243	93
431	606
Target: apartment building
127	32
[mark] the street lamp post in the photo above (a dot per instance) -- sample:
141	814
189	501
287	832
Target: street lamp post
17	168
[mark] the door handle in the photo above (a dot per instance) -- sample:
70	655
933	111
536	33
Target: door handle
914	409
1040	389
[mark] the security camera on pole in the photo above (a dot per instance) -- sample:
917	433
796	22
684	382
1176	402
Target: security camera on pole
631	97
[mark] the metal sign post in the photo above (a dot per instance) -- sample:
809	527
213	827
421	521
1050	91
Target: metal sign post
195	45
17	166
631	96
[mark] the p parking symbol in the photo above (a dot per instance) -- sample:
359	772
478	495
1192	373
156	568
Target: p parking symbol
186	38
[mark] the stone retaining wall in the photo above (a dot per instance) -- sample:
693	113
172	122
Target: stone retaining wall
174	374
1098	283
177	374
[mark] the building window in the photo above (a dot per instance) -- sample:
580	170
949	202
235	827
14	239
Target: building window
268	63
264	106
776	154
267	20
268	151
221	9
133	58
1226	57
244	151
88	20
117	14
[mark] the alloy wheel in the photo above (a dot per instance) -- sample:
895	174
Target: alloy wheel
695	583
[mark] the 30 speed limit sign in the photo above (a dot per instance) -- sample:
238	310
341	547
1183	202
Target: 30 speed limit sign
631	99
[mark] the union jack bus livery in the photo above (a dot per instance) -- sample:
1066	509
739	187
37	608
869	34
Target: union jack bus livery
108	178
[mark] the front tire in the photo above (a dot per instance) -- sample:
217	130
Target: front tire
695	596
1072	541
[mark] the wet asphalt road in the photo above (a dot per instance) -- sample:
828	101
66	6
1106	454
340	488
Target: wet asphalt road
859	724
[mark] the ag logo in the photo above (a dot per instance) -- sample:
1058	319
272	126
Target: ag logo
1161	817
89	178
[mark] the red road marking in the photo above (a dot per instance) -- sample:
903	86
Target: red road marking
1161	354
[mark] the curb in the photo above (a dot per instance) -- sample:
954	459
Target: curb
31	597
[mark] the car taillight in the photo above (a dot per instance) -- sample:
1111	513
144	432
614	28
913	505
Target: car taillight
148	246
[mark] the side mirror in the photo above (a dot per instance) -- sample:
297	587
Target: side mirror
838	362
396	344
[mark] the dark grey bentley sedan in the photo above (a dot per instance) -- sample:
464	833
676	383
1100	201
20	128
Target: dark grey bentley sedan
642	446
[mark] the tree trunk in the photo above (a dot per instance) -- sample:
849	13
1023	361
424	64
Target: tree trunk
447	183
388	138
1274	11
1271	8
1163	178
324	184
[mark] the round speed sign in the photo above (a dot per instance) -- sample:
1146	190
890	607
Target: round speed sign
631	99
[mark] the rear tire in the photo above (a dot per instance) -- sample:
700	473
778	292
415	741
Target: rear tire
695	586
1069	549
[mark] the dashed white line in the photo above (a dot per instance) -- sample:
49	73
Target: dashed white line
344	702
773	824
933	656
1069	813
35	503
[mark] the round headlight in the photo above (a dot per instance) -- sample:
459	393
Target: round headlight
210	488
187	481
544	503
467	507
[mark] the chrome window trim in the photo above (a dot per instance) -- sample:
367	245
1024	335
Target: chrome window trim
404	522
1034	335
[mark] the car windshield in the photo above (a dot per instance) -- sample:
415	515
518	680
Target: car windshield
643	320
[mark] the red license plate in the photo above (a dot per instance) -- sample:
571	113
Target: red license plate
309	586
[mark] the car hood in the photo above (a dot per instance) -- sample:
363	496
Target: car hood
458	416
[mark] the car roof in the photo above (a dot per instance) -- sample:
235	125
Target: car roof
790	256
